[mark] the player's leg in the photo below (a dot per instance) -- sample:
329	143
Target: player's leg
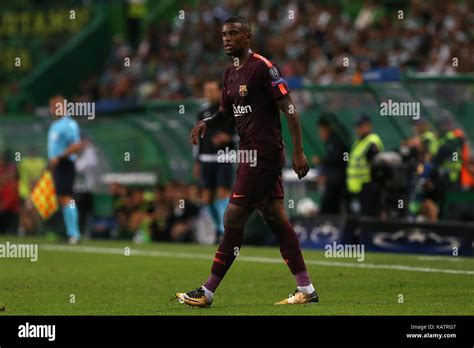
64	174
331	200
220	204
275	216
224	179
235	219
207	197
71	217
208	184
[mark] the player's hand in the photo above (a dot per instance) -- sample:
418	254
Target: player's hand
197	132
300	164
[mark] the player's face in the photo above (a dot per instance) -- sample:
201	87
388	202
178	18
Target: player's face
323	133
212	93
53	109
363	129
418	128
235	39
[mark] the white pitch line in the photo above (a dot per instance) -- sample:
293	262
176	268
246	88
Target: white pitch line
181	255
440	258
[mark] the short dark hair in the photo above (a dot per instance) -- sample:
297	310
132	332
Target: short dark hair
324	120
213	80
239	19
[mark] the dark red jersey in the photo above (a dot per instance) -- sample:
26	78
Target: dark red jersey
250	93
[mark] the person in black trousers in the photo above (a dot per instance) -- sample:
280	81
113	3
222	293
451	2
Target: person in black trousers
333	167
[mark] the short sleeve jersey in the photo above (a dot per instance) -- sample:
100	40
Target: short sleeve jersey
62	133
250	93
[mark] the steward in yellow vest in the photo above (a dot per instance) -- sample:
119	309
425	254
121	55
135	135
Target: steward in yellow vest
359	178
430	142
426	137
448	159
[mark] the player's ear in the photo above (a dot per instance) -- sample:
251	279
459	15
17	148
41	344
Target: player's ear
249	36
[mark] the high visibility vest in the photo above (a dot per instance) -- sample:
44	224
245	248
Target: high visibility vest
358	169
450	167
430	137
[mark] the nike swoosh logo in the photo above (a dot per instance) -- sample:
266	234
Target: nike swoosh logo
191	299
237	196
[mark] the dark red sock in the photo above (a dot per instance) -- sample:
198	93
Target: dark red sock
225	256
289	247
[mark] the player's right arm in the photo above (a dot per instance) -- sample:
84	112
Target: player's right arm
76	145
220	119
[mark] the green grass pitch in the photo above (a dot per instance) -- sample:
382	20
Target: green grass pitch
104	281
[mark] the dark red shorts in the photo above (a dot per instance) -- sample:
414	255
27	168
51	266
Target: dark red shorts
255	187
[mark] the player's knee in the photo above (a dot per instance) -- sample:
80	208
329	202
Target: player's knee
275	214
272	220
65	200
235	217
230	219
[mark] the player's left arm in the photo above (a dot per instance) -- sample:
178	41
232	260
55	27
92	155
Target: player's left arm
300	163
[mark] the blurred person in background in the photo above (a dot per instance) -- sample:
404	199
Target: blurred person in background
365	193
468	182
64	141
120	197
30	169
173	218
333	167
215	178
88	176
426	140
423	194
448	158
463	210
159	216
194	194
9	198
138	207
448	161
183	212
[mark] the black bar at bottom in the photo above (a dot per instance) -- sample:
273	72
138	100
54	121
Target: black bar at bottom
135	330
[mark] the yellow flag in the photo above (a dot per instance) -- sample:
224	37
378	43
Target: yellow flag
43	196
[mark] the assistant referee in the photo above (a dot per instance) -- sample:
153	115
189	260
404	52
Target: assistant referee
64	140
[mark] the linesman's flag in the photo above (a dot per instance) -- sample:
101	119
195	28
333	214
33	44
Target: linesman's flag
43	196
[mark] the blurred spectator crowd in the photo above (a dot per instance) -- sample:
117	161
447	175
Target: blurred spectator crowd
163	213
312	42
308	41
